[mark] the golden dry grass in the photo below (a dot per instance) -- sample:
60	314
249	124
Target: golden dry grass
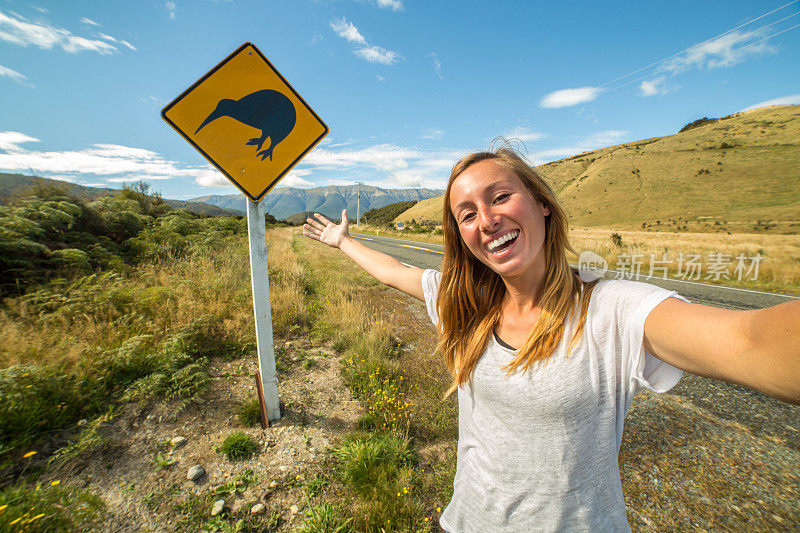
739	175
778	270
156	298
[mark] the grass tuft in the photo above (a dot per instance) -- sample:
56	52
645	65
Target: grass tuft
326	518
238	446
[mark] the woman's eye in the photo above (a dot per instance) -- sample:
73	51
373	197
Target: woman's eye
467	217
501	197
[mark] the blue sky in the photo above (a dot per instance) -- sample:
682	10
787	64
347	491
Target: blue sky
405	87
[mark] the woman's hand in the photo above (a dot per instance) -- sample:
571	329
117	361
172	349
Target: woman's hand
326	231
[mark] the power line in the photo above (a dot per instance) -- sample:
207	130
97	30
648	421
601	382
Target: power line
698	44
657	72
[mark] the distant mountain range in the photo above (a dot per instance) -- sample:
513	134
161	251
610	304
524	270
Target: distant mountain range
329	201
14	184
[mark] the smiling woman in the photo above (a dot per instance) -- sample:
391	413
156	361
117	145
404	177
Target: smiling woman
540	426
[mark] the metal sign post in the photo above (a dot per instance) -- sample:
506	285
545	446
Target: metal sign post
244	96
257	233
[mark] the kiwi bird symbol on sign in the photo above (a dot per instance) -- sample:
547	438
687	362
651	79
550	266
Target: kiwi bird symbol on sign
266	110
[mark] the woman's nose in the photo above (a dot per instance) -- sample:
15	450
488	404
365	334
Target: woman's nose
488	219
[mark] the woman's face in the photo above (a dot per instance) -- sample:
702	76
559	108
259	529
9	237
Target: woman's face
498	218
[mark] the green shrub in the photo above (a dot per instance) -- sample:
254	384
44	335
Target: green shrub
50	508
373	463
326	518
697	123
249	412
385	215
380	468
71	260
36	401
238	446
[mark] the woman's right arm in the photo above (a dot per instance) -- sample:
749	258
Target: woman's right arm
382	267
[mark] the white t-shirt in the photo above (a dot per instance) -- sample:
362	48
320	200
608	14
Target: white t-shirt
538	451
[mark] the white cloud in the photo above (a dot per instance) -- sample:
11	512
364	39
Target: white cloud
600	139
651	87
570	97
13	75
380	157
523	134
90	22
724	51
10	140
348	31
120	41
380	78
16	30
376	54
437	65
42	10
432	133
295	178
606	137
394	5
407	178
212	177
153	101
792	99
111	162
373	54
171	9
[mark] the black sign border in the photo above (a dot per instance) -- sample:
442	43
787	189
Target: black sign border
210	159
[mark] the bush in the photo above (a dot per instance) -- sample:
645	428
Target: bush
238	446
379	468
71	260
249	412
326	518
697	123
36	401
385	214
49	508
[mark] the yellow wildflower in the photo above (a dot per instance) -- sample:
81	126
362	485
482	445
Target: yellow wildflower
15	521
29	454
2	507
438	509
54	483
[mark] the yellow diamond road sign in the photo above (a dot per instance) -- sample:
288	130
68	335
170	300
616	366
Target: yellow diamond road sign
246	119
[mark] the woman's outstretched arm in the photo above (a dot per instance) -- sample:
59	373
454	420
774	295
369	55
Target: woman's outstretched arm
382	267
759	349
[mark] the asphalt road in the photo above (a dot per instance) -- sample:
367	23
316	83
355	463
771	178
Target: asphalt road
761	414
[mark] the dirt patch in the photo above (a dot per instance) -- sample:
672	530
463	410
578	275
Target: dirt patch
317	412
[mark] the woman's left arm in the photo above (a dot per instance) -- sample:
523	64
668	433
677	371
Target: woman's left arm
759	349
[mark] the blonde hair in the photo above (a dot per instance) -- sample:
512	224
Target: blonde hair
470	294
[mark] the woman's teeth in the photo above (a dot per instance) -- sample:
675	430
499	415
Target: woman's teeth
505	238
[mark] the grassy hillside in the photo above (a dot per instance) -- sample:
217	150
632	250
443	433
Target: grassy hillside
740	173
15	185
